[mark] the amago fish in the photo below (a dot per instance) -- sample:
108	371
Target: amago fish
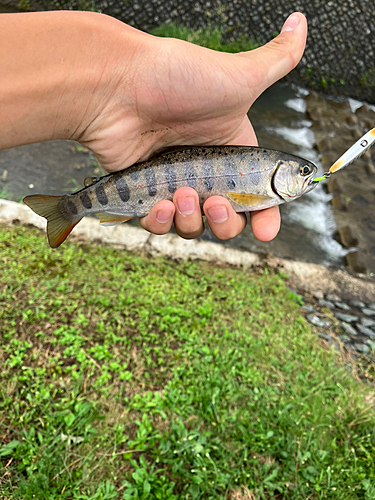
251	178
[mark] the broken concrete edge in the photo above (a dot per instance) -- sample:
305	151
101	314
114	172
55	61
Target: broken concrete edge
305	277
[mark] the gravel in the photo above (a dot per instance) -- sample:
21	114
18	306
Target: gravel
366	331
348	318
349	329
358	304
368	311
316	321
358	329
362	348
342	305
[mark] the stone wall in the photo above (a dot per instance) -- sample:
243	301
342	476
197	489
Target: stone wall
340	53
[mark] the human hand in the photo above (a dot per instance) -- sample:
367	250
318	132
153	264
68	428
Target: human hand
184	94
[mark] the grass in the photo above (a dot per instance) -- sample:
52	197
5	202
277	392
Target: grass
210	38
368	78
128	377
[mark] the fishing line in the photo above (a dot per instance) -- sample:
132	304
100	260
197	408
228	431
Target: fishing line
354	152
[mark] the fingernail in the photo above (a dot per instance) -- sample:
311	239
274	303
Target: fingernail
218	213
291	23
163	216
186	205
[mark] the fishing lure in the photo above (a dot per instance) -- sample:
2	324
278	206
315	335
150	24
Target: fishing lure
354	152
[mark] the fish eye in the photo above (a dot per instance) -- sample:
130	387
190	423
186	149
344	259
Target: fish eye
305	170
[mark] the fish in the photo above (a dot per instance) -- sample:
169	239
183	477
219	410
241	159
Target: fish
250	178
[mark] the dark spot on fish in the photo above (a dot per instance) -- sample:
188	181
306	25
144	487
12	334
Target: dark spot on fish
85	200
140	202
254	172
231	173
122	189
100	194
134	175
170	177
208	175
151	181
72	208
190	174
264	150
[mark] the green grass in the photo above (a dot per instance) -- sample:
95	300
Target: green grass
128	377
210	38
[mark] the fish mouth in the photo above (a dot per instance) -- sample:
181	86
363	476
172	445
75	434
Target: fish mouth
310	184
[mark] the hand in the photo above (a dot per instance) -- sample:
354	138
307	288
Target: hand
184	94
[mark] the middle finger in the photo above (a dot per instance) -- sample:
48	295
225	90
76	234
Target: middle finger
188	217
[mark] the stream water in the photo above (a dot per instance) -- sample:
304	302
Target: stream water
308	227
280	122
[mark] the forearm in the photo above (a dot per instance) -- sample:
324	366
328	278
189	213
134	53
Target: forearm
57	69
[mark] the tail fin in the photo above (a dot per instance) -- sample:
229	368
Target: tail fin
58	226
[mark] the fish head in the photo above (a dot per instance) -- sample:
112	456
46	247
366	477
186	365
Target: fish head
294	177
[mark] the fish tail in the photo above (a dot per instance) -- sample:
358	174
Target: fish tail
58	225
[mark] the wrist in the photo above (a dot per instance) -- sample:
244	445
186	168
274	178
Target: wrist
112	55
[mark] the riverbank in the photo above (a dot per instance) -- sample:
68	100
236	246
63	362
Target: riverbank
130	375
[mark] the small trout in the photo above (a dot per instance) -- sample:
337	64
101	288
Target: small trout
250	178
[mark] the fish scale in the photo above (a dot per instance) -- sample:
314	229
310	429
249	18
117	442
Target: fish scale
250	178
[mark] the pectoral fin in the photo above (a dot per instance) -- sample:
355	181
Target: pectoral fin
248	200
111	219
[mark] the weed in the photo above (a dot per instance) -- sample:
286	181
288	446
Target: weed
368	78
211	38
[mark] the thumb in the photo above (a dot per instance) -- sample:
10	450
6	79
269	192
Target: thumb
278	57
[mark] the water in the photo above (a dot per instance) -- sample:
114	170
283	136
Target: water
280	122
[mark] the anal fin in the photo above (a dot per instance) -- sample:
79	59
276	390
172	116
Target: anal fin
108	219
247	200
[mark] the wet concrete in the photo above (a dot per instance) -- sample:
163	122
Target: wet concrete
336	128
